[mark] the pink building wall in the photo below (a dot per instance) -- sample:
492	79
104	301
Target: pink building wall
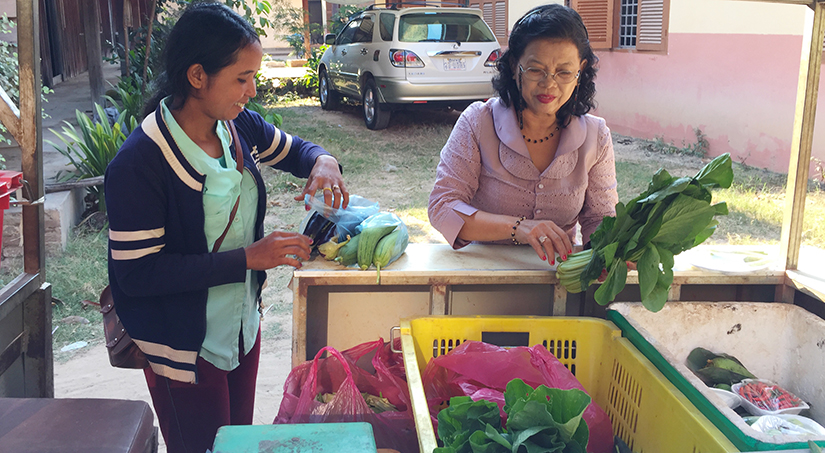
739	89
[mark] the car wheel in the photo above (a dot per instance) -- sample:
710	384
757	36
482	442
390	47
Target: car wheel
376	115
330	99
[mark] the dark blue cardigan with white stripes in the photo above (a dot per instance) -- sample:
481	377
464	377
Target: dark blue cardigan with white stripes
160	269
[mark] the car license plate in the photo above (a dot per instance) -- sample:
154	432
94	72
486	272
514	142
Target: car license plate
455	64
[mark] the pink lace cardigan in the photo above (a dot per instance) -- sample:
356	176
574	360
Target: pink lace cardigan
485	166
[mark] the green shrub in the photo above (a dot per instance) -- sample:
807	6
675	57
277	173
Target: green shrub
269	114
699	149
92	147
128	96
341	17
310	79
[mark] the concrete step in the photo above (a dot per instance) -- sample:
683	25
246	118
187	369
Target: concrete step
63	212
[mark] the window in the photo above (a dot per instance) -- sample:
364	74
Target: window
364	31
625	24
386	22
347	35
443	27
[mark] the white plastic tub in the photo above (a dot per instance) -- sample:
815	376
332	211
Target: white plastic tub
779	342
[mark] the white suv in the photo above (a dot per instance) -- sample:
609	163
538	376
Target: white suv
392	58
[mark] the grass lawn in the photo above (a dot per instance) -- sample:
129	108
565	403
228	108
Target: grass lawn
396	167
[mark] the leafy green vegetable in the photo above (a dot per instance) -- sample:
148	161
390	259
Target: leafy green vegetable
671	216
461	419
540	420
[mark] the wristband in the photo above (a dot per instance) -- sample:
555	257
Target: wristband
513	234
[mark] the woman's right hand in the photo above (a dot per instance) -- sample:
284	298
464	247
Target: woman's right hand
277	248
546	238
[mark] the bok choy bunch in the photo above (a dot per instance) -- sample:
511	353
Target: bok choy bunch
671	216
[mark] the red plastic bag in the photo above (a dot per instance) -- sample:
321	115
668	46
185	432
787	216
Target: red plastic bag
482	371
370	368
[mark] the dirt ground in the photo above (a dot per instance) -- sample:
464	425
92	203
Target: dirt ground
88	374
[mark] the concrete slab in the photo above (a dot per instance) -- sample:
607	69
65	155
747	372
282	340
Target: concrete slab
62	212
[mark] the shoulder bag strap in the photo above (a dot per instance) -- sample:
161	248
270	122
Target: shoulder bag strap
239	162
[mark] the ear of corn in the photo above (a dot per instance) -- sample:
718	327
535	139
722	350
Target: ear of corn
369	239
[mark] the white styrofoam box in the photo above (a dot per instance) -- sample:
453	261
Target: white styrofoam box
779	342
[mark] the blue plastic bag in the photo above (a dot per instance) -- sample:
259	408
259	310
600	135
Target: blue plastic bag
346	220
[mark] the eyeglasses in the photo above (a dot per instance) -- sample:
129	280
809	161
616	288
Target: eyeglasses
537	75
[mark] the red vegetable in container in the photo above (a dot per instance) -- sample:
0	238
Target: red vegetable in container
769	397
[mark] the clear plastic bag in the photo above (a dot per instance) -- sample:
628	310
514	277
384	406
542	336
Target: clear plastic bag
793	425
384	219
345	220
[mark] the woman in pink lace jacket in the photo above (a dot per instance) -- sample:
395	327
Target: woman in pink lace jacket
528	166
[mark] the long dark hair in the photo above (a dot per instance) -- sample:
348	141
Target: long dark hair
552	21
207	33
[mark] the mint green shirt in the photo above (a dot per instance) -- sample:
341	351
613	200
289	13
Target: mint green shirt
232	308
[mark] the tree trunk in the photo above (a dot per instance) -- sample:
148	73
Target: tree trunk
94	56
148	44
307	42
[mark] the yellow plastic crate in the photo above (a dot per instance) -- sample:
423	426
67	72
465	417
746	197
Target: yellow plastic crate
647	411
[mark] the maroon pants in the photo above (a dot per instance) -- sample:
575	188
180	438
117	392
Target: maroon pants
189	415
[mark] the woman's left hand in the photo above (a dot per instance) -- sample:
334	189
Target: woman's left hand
326	176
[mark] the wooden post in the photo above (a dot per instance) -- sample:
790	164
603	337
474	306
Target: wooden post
94	56
34	340
440	299
803	134
38	364
30	135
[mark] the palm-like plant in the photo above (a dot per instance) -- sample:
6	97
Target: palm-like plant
128	96
92	146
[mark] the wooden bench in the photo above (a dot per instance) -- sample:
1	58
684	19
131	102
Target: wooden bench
48	425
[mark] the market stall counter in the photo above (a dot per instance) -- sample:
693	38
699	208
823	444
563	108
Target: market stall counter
344	306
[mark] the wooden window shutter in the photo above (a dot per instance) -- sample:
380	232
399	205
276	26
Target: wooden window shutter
598	18
501	21
487	10
652	23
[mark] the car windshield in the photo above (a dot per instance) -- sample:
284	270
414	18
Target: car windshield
443	27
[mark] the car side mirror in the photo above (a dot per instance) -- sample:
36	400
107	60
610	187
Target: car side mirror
329	39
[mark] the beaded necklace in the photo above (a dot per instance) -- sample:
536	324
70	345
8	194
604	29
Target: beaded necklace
541	140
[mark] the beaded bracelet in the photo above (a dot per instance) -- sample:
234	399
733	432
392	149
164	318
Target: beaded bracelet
513	234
